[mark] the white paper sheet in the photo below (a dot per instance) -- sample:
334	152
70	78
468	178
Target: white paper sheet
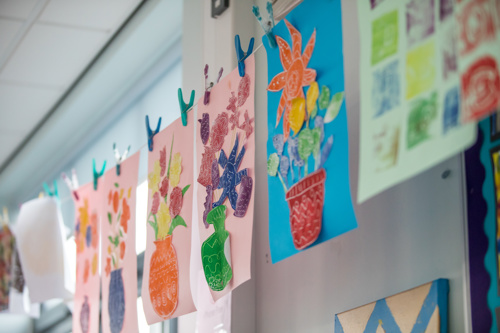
41	245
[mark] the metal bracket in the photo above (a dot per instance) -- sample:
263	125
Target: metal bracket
219	7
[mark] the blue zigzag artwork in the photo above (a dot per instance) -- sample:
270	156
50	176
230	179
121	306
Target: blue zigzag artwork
421	308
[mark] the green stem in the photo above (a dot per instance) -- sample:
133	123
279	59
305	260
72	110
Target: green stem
306	170
282	182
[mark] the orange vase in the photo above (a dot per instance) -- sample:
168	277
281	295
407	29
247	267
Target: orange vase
164	278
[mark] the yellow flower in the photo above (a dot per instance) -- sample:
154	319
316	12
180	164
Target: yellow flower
94	264
312	96
129	192
121	194
154	177
163	219
175	170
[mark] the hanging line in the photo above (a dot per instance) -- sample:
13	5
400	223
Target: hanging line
191	108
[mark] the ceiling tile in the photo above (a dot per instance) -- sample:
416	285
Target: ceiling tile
106	15
22	107
19	9
8	30
10	141
52	55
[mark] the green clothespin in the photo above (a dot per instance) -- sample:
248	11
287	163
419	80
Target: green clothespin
50	193
184	108
97	175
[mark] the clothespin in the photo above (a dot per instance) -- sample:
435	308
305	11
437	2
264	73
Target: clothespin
50	193
185	107
151	133
97	175
119	159
242	55
208	87
268	25
71	183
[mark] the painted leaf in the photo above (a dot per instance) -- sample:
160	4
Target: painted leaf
207	204
284	166
316	132
312	97
177	221
184	190
297	114
244	196
204	128
334	107
319	123
324	97
272	164
306	143
325	152
215	173
109	218
314	111
278	143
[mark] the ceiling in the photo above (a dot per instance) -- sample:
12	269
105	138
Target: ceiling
45	45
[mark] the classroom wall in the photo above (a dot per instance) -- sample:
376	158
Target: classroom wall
407	236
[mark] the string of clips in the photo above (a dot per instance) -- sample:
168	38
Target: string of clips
185	108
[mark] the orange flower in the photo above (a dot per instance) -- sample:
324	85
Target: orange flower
86	271
295	74
110	197
122	250
125	215
108	266
116	201
93	223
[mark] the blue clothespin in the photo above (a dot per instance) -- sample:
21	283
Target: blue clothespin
268	25
119	158
185	107
151	133
50	193
242	55
97	175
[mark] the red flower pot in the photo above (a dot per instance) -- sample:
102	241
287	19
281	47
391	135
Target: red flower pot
305	200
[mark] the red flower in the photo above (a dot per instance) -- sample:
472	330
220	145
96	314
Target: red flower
156	203
108	266
125	215
164	188
163	161
122	250
175	201
232	103
205	175
243	90
116	201
219	131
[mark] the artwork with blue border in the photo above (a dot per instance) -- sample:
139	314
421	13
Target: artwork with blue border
385	317
307	148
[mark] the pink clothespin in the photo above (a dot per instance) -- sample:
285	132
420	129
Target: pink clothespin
71	183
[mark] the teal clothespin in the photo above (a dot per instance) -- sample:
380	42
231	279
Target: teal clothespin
119	158
50	193
185	107
268	25
97	175
151	133
240	55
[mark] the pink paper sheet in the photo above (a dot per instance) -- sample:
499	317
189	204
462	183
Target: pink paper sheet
231	111
166	291
119	260
87	230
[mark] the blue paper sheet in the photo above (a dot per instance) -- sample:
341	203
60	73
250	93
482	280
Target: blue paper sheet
329	206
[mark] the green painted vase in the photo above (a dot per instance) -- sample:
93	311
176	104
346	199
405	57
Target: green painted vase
216	251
